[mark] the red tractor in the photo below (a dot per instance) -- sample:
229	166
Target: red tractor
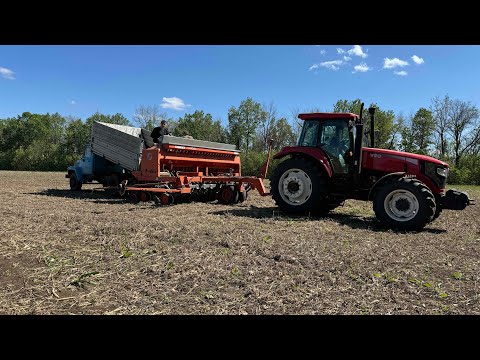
330	164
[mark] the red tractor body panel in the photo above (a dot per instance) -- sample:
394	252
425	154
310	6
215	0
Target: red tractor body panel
325	116
315	153
375	157
390	161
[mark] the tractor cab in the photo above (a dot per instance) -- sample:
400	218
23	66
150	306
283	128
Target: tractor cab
334	134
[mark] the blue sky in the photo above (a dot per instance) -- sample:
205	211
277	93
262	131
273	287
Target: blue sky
79	80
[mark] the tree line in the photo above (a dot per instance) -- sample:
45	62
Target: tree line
447	129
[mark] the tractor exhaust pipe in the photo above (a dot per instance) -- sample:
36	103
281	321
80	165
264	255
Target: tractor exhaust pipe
371	111
357	162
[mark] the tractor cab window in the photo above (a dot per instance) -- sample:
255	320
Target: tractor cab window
335	141
308	137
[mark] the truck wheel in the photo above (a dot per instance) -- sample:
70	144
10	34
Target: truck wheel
75	185
406	204
299	186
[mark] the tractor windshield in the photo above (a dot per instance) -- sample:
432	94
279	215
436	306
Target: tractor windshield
308	137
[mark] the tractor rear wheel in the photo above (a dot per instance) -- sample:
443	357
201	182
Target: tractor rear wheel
299	186
405	204
75	185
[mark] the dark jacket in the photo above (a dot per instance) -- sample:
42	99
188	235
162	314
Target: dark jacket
158	132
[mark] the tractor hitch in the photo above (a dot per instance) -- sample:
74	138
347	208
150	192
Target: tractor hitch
457	200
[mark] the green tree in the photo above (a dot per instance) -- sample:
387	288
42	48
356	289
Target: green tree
12	136
282	134
39	142
243	122
118	119
406	144
463	127
422	131
77	136
384	120
440	110
271	127
200	126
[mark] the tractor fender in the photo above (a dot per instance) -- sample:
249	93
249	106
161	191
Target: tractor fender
382	180
317	155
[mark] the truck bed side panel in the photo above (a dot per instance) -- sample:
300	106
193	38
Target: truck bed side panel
120	144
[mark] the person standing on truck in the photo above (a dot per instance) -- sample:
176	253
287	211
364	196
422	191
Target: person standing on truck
159	131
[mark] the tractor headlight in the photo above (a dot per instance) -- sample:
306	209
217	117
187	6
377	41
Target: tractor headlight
442	172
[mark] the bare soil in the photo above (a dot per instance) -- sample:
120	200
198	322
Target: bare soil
64	252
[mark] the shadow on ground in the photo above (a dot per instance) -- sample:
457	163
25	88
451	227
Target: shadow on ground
353	221
101	196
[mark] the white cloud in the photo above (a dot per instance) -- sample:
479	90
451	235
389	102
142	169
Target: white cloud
7	73
332	65
393	63
401	73
72	102
361	68
347	58
357	51
323	52
340	51
173	103
417	60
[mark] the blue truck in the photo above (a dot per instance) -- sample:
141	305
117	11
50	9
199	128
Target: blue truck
113	153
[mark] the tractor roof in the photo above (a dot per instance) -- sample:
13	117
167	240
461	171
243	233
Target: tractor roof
327	116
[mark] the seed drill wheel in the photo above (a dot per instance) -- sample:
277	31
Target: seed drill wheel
242	196
228	195
144	196
156	199
166	199
134	196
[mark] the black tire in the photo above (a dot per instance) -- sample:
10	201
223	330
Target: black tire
75	185
312	198
413	208
439	208
228	195
242	196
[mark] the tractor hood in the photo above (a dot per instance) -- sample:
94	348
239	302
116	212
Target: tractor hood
405	155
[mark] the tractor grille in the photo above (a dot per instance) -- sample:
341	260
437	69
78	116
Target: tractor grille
431	171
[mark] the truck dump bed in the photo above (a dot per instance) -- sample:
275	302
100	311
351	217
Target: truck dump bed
118	143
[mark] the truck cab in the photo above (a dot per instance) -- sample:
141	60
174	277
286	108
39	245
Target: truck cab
92	167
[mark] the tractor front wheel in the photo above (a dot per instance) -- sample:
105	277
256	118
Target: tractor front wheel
405	204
